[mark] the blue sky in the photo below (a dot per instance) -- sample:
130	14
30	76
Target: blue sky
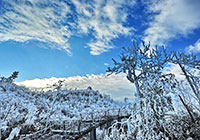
63	38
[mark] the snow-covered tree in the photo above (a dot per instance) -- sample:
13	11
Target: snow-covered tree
10	78
143	66
154	116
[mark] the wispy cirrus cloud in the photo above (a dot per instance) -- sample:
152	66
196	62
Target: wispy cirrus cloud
105	20
171	19
36	20
55	22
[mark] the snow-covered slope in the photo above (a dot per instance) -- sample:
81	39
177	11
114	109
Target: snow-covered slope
23	111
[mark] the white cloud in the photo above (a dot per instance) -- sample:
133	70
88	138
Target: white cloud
194	48
36	20
117	86
102	19
171	18
54	22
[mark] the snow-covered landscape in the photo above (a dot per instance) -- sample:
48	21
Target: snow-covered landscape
165	104
25	112
99	70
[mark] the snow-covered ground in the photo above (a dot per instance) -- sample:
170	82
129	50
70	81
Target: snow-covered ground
24	111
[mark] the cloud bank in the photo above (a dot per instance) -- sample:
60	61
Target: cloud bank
117	86
55	21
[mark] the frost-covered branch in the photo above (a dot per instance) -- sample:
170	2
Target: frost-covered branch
138	61
190	62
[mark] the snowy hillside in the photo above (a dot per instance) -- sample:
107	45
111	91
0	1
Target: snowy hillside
25	112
